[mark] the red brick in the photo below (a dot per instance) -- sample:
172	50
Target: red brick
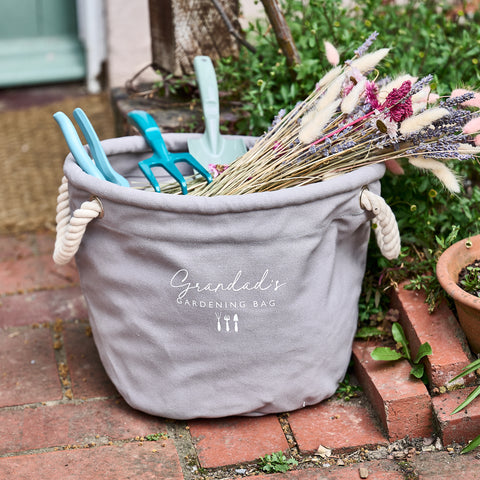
443	466
336	425
440	329
42	307
88	376
13	247
18	275
67	304
44	242
110	462
464	425
233	440
55	276
28	371
378	470
401	401
73	423
35	273
25	309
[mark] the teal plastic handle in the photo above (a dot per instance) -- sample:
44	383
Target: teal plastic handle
207	84
148	127
142	120
101	160
75	145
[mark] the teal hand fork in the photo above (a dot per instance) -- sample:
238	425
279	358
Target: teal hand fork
161	157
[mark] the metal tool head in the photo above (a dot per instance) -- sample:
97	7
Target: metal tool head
161	157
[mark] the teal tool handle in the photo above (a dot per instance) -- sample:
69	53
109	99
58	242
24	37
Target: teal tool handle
75	145
142	120
147	126
101	160
207	84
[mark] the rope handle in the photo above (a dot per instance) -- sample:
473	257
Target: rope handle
386	233
71	228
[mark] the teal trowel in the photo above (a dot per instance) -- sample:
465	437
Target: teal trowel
211	147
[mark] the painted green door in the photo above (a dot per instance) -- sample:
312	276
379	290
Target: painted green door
39	42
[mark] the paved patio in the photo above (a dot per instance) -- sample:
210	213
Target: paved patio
61	417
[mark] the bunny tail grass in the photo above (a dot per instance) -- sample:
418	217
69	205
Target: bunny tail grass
440	170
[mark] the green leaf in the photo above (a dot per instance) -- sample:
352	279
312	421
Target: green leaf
424	350
473	444
277	462
473	395
399	337
417	370
367	332
386	354
468	370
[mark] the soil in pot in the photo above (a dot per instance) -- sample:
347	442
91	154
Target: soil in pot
469	278
450	263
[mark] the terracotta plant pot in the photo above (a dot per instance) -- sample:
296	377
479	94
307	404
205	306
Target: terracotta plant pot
449	265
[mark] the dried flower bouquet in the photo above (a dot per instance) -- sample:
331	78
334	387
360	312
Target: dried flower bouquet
350	121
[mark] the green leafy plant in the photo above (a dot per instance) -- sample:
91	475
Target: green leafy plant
168	85
277	463
389	354
441	41
346	390
469	369
155	436
471	281
421	273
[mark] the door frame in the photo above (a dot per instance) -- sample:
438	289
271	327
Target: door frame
92	32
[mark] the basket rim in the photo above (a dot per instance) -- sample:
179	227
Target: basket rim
105	190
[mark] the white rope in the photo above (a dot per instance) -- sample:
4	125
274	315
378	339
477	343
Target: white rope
70	229
386	233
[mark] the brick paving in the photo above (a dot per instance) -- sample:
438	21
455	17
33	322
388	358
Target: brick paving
402	404
61	417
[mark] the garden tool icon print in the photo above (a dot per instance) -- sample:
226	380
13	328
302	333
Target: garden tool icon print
226	322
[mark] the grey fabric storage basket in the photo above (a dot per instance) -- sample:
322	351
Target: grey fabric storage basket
235	305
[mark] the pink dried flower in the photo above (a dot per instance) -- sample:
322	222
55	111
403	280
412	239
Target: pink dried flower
474	102
394	167
477	140
279	148
352	77
386	124
398	104
332	54
216	169
472	126
371	92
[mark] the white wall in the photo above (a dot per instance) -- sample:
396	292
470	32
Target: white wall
249	10
128	40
